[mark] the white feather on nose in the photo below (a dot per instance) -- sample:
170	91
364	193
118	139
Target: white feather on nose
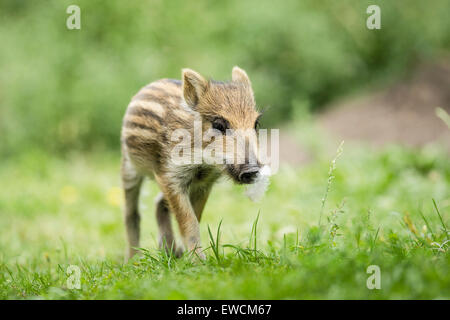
256	190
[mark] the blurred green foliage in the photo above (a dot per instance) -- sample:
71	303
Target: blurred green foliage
64	90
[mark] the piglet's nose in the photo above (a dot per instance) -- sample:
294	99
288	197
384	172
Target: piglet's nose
248	176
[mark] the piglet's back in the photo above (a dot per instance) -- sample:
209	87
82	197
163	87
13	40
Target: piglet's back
153	113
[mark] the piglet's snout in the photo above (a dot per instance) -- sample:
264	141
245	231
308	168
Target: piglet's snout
249	175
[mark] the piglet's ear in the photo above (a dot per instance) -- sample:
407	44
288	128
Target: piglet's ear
239	75
194	86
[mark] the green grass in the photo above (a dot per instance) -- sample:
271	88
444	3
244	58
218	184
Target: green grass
379	210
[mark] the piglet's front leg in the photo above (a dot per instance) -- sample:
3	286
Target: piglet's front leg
188	223
181	206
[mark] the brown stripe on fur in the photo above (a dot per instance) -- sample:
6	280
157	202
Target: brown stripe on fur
160	96
134	125
143	134
139	111
149	105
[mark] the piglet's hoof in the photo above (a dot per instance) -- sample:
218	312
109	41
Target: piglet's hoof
197	255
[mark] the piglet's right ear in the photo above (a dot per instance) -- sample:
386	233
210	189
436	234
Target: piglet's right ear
194	86
239	75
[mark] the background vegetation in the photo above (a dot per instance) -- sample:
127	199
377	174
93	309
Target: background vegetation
62	97
63	89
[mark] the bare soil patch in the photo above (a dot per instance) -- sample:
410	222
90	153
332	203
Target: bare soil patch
404	113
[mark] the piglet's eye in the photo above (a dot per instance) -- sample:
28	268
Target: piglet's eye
256	124
220	124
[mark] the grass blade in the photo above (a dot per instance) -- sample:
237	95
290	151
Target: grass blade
440	218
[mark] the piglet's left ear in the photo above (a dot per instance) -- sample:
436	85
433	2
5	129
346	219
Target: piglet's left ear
194	85
239	75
